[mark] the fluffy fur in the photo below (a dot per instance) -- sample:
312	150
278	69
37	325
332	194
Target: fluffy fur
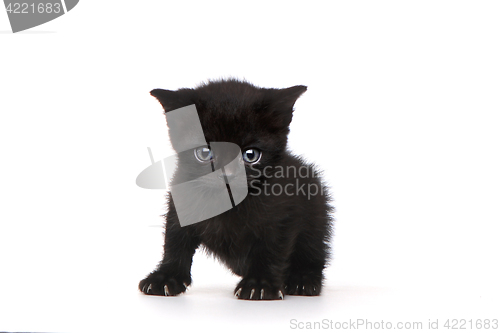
278	244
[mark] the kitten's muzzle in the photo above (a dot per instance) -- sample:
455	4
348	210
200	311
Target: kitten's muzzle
226	177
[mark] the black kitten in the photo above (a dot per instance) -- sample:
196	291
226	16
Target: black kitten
277	238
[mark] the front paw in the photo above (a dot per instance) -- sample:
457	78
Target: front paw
258	289
164	284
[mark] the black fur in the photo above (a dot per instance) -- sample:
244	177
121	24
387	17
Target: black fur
278	244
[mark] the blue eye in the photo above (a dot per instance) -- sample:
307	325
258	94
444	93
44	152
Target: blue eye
251	155
203	154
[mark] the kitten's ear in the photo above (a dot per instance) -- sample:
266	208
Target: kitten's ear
171	100
279	104
286	98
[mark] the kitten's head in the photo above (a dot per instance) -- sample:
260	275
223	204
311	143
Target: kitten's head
255	119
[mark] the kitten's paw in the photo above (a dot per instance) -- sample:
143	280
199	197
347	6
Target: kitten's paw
298	284
254	289
163	284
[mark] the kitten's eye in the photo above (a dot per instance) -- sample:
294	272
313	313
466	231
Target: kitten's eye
251	155
203	154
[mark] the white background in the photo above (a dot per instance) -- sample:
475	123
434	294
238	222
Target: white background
402	113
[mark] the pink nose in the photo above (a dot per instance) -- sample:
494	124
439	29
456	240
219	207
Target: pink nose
227	177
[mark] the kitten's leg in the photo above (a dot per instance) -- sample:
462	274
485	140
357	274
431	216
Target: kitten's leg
307	262
263	279
173	274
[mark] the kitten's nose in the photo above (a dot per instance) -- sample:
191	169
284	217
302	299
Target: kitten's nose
228	175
